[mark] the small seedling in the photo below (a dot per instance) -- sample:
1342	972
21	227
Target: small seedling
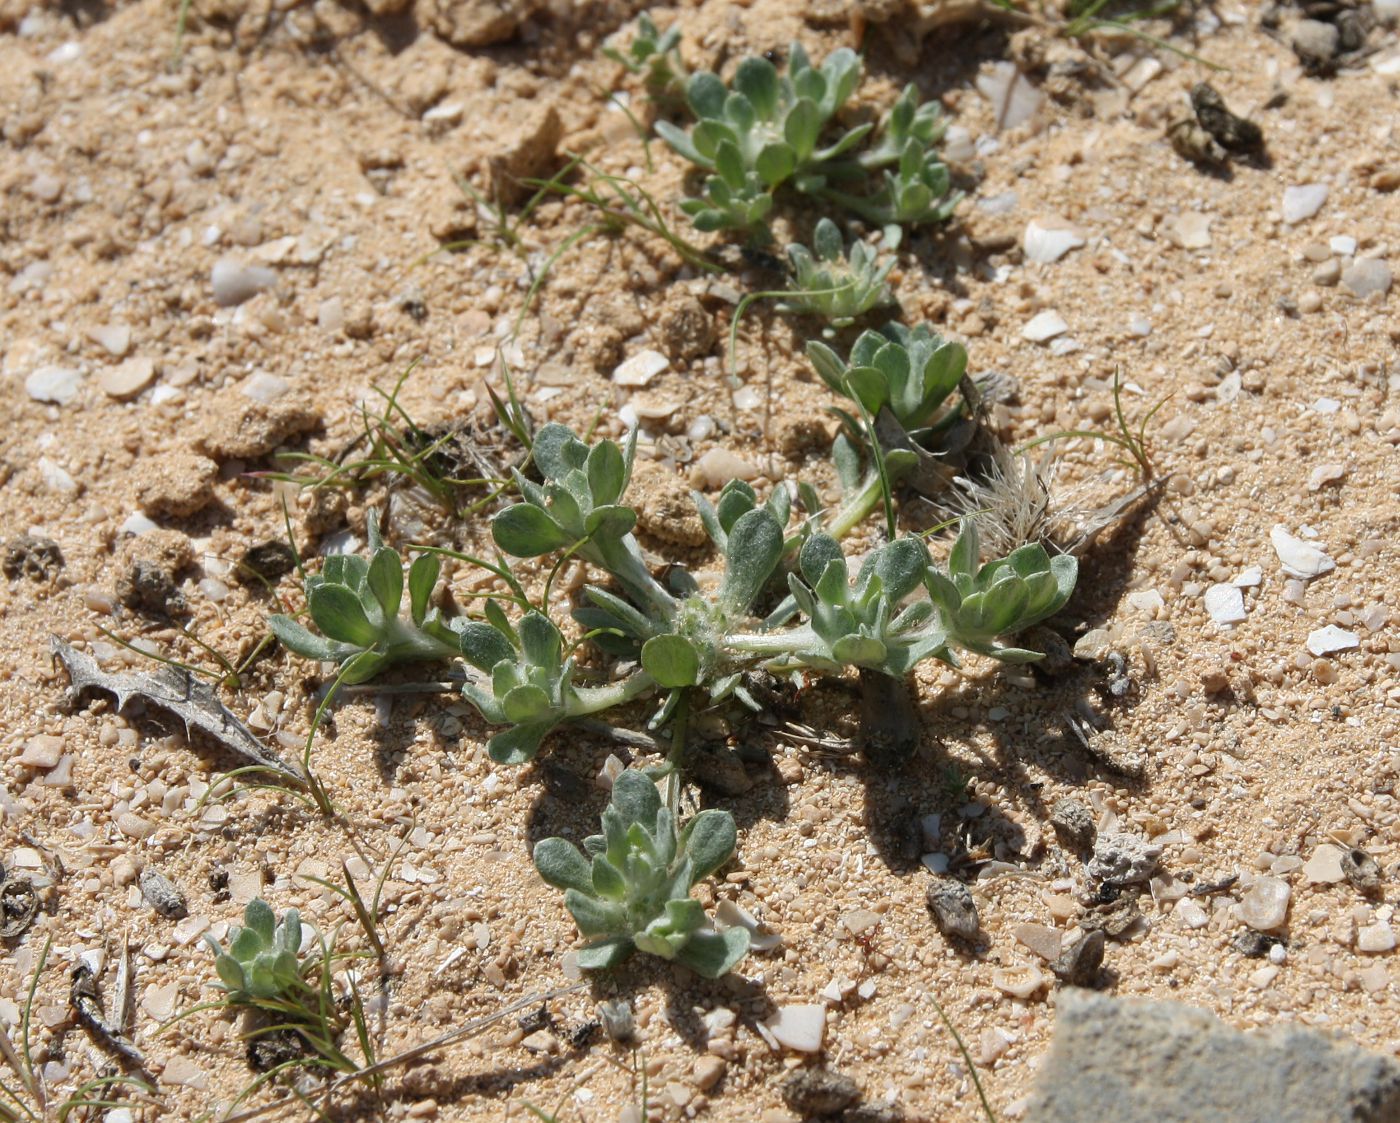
764	131
656	58
263	960
913	372
530	684
355	603
978	602
264	969
835	283
630	888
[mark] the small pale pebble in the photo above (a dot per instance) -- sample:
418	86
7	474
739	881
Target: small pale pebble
1324	867
1302	201
1042	940
1265	906
1263	977
801	1028
1342	244
1325	474
1278	955
1225	604
189	930
1367	276
1374	977
1328	273
994	1044
1326	405
1166	961
708	1071
858	921
1139	325
330	314
717	467
159	1001
235	281
56	477
59	385
1310	302
1375	939
1191	914
1191	229
1300	559
1018	982
133	826
42	751
1146	600
263	388
1044	326
747	398
1049	241
1331	639
1249	578
641	368
182	1070
115	339
127	379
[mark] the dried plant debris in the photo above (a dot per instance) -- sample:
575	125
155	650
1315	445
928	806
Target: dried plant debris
177	692
1213	133
161	895
19	905
1234	133
87	1007
27	556
265	562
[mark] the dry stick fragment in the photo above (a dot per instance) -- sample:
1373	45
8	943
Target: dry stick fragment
180	693
88	1007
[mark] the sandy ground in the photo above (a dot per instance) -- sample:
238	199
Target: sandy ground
321	143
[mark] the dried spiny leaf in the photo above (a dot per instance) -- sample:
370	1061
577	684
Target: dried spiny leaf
177	692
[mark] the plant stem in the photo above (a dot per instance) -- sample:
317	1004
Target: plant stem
676	754
623	559
772	643
593	699
857	508
406	642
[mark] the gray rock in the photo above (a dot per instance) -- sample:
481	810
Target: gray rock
1123	858
1161	1062
954	911
1080	963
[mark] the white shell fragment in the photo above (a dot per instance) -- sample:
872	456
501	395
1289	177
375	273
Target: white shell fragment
1014	100
1046	243
1044	326
1265	906
1225	603
59	385
1325	866
1303	201
1018	982
728	914
640	369
1326	641
235	281
799	1028
1299	558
